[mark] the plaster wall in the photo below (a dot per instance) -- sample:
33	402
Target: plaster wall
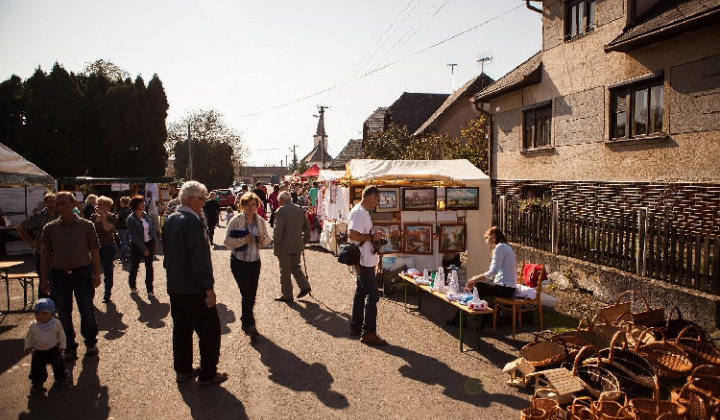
456	117
576	79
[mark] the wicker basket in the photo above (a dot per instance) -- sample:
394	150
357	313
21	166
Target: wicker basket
654	408
668	359
701	352
546	351
595	377
574	341
648	316
581	409
672	326
607	406
636	375
698	404
549	405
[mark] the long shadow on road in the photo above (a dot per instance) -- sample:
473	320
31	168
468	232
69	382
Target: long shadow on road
211	402
332	323
290	371
153	313
455	385
111	321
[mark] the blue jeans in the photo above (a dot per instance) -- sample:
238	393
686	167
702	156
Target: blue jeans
364	309
107	257
246	275
63	287
124	242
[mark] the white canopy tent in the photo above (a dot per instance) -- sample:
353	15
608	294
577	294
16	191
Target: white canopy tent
16	171
438	173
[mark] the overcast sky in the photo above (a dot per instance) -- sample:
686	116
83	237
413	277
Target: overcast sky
267	65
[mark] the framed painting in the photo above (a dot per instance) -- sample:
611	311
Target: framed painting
452	237
463	198
389	200
419	198
419	238
392	233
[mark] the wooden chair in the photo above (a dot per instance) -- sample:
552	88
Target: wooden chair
520	305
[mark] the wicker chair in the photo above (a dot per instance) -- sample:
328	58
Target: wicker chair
520	305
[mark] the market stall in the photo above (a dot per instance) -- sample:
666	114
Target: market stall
428	208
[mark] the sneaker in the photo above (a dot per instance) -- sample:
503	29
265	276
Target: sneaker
37	387
69	355
133	290
184	377
219	378
151	295
92	351
372	339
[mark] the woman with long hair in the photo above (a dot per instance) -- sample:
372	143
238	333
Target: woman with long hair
502	271
246	232
143	243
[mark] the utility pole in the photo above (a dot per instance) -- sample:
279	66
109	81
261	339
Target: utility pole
482	61
452	73
190	155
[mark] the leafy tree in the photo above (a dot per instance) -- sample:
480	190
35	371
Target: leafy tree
390	144
217	148
107	69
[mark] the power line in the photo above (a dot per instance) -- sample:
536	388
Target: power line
368	73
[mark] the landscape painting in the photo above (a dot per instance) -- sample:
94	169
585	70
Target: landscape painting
418	239
392	233
389	200
419	199
465	198
452	237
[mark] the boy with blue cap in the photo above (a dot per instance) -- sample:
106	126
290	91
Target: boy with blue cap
46	341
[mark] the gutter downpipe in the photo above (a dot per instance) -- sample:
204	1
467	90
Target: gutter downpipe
533	8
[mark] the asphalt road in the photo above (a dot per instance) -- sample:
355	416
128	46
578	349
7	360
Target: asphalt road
304	366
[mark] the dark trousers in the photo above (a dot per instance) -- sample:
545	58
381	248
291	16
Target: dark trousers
135	255
107	259
272	218
80	284
246	275
191	314
211	229
39	362
364	308
486	290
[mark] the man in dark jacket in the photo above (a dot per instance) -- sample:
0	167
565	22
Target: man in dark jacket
212	213
291	230
191	288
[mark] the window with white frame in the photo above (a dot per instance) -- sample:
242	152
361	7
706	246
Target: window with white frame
537	123
579	17
637	109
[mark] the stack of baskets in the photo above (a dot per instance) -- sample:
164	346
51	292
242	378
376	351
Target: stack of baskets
627	363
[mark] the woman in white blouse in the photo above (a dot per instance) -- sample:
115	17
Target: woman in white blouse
245	234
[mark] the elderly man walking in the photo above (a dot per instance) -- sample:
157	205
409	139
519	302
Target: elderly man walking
190	284
69	246
291	229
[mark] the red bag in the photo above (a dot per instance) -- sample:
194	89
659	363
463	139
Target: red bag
532	274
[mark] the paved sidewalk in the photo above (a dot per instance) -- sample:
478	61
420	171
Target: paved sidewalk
305	365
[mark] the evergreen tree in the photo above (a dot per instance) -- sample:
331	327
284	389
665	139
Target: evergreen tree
12	107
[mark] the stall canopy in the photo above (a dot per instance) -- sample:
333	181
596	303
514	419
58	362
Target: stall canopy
405	172
16	171
313	171
330	175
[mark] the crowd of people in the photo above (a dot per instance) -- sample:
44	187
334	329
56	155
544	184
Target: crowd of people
75	252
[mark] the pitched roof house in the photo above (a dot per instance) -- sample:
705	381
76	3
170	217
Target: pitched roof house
620	110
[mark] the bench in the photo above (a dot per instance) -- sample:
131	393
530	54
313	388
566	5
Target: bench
462	308
25	280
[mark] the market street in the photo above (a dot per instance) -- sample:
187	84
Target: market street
305	365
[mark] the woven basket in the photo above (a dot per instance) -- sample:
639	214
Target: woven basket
701	352
574	341
709	386
636	375
648	316
595	377
668	359
672	326
546	351
581	409
607	406
653	408
698	405
532	413
548	405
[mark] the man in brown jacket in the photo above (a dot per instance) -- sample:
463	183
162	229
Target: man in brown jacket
291	229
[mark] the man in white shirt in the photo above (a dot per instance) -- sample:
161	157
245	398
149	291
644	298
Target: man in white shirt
151	205
364	310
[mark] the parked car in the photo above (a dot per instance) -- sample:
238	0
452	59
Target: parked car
225	198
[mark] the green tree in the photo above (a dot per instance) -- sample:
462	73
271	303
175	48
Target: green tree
390	144
107	69
217	148
12	109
